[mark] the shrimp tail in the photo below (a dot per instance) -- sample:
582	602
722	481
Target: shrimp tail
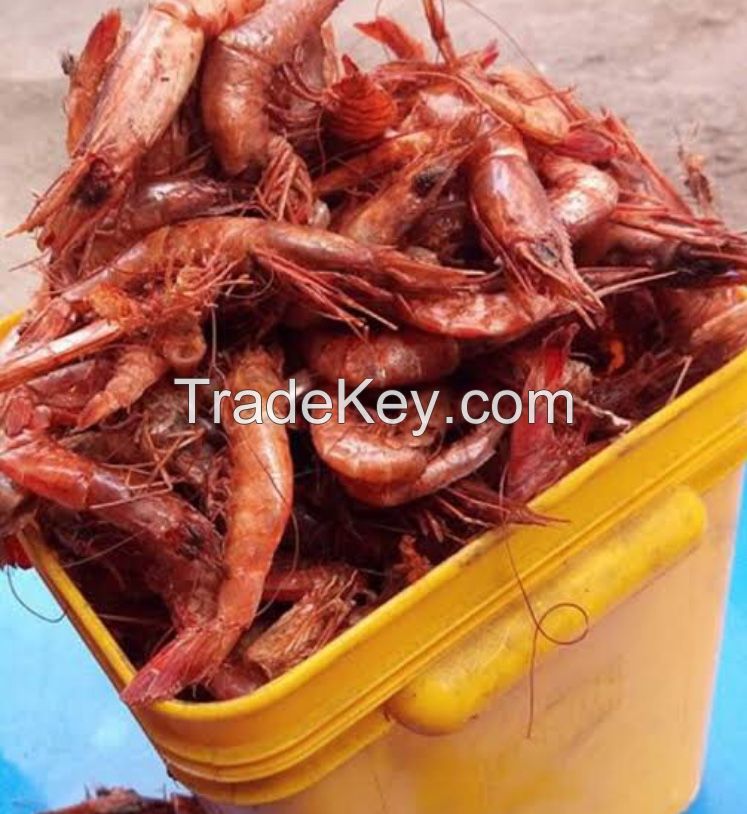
191	658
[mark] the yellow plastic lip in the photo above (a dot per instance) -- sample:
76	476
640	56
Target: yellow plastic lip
163	721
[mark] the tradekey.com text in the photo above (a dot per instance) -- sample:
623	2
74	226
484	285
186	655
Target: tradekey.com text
392	407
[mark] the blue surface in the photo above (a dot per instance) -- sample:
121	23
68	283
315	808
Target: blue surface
63	730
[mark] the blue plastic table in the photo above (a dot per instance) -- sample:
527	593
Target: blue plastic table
63	730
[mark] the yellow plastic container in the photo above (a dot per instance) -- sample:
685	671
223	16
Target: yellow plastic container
423	708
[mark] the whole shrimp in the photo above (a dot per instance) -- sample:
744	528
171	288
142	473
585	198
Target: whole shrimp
390	358
144	88
515	218
238	71
260	505
518	225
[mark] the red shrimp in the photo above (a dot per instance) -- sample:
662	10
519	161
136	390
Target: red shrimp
387	216
208	247
372	453
586	140
480	315
138	368
540	454
313	621
390	33
144	88
517	223
392	154
260	505
87	72
581	196
54	400
542	122
182	543
454	463
391	358
238	72
290	583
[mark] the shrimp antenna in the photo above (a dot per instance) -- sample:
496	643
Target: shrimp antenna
52	620
507	34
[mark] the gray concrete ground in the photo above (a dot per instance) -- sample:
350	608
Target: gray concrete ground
667	67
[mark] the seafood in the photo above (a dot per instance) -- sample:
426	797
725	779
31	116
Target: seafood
581	196
313	621
260	505
387	216
247	208
456	462
389	358
518	225
354	451
238	71
137	369
86	74
151	75
390	33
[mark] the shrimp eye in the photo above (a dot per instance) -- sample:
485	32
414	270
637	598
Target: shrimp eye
424	181
95	188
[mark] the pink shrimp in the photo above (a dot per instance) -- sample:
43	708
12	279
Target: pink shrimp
390	33
138	368
183	544
392	154
54	400
391	358
387	216
143	90
581	196
87	73
237	75
372	453
459	460
517	223
480	315
260	505
205	247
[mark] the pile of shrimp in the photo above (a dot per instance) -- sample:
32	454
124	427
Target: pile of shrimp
245	204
